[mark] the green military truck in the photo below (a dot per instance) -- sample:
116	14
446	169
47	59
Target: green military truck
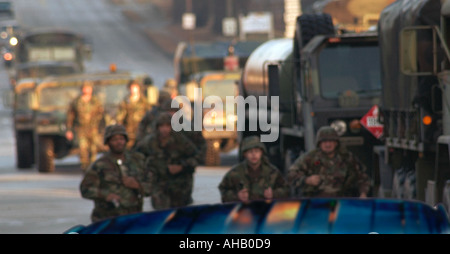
413	161
40	53
217	86
50	102
317	78
205	66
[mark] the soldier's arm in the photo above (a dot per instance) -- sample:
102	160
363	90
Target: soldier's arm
90	185
281	187
296	173
70	116
190	161
228	191
144	176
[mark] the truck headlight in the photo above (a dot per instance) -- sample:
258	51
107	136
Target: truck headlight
13	41
339	126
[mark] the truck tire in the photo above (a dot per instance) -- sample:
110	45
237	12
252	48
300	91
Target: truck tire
212	157
310	25
46	155
24	148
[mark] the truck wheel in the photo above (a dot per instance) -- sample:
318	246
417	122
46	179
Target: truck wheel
46	155
24	148
310	25
212	157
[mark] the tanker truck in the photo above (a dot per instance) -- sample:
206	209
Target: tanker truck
413	162
320	78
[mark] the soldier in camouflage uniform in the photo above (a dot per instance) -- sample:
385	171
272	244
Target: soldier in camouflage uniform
254	178
131	111
146	125
116	181
328	170
171	162
83	118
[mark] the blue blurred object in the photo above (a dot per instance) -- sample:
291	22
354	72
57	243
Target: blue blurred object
290	216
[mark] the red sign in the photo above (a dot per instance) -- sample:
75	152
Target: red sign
370	121
231	63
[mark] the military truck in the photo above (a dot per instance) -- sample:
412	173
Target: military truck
216	69
216	86
50	102
318	78
413	162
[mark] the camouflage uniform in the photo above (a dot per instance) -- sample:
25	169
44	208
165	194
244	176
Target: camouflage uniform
240	177
130	115
84	119
169	190
341	176
104	176
147	126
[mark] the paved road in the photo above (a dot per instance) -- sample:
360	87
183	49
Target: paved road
35	203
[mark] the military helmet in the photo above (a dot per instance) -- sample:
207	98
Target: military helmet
163	118
167	106
112	130
326	133
170	83
252	142
163	97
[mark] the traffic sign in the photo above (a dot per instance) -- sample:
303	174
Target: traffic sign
229	26
371	123
188	21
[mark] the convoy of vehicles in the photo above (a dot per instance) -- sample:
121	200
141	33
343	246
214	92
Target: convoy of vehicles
321	78
413	161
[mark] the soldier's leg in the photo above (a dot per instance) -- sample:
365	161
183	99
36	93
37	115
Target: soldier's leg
181	192
93	147
84	151
160	199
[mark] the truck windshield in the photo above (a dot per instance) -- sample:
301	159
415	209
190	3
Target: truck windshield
49	46
42	71
112	94
57	98
344	67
